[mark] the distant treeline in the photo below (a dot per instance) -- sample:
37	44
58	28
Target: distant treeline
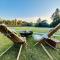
15	23
40	23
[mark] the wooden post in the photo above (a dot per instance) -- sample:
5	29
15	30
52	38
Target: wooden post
15	38
49	34
54	30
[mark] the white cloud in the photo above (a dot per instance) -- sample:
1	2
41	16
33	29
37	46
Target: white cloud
46	18
34	19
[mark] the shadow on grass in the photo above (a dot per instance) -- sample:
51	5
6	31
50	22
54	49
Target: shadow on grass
12	53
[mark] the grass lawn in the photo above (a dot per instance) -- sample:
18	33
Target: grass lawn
29	52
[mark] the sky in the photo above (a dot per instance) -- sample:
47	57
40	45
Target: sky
28	8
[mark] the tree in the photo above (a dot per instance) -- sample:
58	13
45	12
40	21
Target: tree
44	23
38	22
56	18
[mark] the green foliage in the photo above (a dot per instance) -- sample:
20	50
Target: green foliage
56	18
42	24
55	23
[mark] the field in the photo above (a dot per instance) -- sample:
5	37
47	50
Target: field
29	52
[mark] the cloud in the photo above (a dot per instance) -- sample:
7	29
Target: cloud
46	18
34	19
